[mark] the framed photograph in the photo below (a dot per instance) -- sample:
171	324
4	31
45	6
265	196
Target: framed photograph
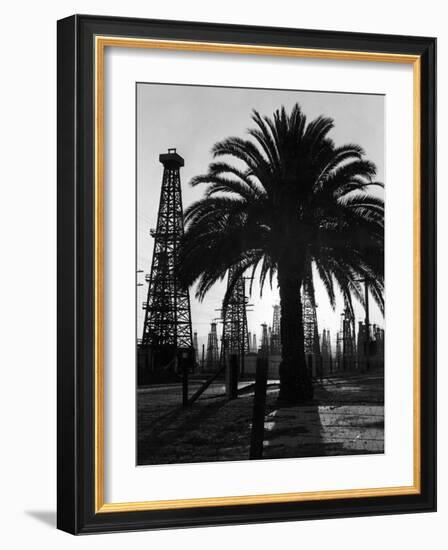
246	274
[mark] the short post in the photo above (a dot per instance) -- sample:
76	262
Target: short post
310	365
257	434
320	367
232	377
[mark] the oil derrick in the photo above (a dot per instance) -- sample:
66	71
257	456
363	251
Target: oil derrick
365	347
339	351
348	340
378	335
326	351
167	325
361	355
378	347
254	343
249	336
235	337
196	349
264	347
275	333
367	344
310	329
380	340
212	358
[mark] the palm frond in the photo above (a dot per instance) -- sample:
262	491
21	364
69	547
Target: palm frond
292	197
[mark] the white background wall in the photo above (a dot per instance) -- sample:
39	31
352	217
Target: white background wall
28	272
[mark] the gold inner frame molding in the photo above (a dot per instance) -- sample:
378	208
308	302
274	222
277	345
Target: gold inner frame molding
101	43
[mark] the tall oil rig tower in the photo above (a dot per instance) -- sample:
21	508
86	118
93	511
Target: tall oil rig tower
310	329
235	336
254	343
212	361
276	348
348	339
327	359
167	325
196	348
264	347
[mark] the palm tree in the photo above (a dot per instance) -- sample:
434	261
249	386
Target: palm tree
290	200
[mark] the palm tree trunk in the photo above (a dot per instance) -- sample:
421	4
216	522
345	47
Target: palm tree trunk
295	382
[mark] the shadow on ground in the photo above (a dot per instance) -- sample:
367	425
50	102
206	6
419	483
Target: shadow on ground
48	517
346	417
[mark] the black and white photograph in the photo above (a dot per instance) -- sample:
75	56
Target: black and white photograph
259	273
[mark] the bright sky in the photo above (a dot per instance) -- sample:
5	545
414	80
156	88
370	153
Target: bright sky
192	119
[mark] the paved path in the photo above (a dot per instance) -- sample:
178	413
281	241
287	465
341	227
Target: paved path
347	417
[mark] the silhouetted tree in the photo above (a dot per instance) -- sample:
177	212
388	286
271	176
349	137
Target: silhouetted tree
290	199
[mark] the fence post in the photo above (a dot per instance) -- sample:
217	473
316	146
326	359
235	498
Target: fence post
257	434
232	377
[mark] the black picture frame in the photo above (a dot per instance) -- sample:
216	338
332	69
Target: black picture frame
76	256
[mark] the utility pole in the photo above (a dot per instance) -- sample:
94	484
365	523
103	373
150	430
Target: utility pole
139	271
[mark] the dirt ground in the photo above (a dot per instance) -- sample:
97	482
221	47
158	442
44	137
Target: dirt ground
345	417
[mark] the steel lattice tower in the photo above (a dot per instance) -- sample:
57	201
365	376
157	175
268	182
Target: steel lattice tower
275	333
348	339
235	336
310	329
264	348
339	350
196	349
326	350
167	325
212	359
